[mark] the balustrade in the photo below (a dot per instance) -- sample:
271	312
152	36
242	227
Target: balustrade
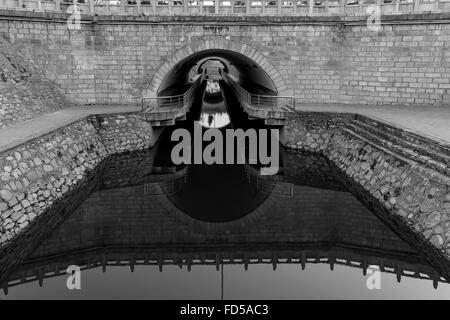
228	7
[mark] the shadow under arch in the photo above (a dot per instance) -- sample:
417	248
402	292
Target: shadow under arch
246	59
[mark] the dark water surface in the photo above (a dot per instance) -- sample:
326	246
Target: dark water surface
153	230
141	221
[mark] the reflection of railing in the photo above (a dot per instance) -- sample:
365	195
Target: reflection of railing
257	101
172	103
268	184
39	269
272	7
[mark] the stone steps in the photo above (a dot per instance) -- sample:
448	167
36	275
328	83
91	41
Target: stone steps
413	148
426	145
393	141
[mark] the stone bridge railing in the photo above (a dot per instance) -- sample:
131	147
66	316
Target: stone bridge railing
226	7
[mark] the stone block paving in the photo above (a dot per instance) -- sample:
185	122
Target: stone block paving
28	130
431	122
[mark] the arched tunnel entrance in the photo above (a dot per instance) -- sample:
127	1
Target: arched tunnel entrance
216	104
229	80
247	72
260	90
222	83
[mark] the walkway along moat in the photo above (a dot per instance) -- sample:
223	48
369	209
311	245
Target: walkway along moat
93	194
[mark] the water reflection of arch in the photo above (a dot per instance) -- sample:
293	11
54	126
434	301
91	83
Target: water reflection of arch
258	248
197	252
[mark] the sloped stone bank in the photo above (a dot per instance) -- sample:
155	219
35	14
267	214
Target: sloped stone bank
35	175
25	91
32	236
411	193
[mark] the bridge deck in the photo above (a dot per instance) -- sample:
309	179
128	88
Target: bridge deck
432	122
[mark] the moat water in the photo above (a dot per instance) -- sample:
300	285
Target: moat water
144	228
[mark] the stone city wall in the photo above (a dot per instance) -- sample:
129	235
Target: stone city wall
414	194
316	59
38	173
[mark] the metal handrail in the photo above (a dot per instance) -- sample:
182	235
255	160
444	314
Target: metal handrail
171	103
258	101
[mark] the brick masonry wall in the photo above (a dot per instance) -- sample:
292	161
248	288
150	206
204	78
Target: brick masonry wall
337	61
24	90
37	174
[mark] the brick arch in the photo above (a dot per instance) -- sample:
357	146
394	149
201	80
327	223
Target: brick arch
220	44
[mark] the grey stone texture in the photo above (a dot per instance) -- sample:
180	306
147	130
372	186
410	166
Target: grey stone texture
115	60
412	191
40	172
25	92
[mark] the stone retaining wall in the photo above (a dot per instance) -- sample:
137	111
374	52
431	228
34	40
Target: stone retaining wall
35	175
317	59
409	193
24	90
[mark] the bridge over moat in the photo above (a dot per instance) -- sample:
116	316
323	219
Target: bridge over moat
316	59
334	86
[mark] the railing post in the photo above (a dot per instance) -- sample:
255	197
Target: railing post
91	6
278	6
217	6
311	6
200	3
263	6
342	8
436	5
397	5
139	6
170	5
248	6
416	5
58	5
154	6
108	9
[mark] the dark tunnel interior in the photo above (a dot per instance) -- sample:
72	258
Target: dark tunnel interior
248	74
